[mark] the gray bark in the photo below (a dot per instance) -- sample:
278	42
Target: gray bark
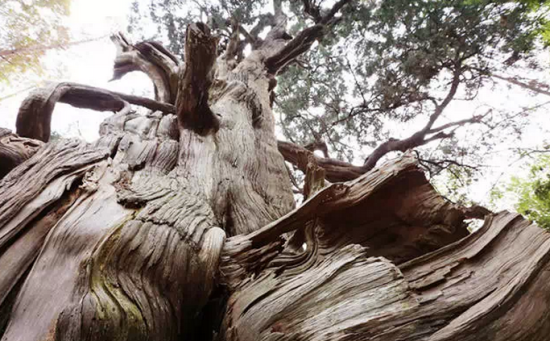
180	224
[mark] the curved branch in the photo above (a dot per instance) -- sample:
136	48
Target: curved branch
35	113
420	137
151	58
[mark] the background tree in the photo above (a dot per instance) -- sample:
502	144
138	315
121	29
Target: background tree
27	31
530	194
181	223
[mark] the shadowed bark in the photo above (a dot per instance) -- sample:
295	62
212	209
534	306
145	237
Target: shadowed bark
195	79
181	223
14	150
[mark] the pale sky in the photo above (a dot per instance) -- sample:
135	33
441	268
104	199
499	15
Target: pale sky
91	63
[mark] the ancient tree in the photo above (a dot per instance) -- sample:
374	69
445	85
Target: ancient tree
181	224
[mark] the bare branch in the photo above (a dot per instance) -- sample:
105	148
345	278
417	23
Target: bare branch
329	16
474	119
300	44
41	48
303	40
450	95
195	80
35	113
312	10
418	138
151	58
529	86
233	45
318	145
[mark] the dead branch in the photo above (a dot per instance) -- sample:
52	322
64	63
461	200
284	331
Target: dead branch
35	113
195	80
151	58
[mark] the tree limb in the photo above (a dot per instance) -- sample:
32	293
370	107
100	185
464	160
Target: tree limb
336	171
195	80
418	138
302	42
35	113
151	58
528	86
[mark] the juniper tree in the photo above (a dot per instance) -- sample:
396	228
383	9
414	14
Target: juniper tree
181	223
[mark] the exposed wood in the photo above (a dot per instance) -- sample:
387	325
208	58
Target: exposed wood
138	235
490	285
32	197
336	171
392	211
151	58
14	150
195	80
35	114
136	257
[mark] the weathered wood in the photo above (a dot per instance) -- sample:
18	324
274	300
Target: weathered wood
137	236
392	211
14	150
35	113
136	257
151	58
336	171
483	287
32	198
192	105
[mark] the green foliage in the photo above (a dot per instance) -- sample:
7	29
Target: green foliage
171	17
383	67
531	193
27	30
387	60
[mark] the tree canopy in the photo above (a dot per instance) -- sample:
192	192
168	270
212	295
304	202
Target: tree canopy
385	67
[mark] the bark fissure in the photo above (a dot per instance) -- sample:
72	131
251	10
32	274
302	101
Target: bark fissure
186	212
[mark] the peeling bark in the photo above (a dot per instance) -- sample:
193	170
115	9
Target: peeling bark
481	287
180	224
14	150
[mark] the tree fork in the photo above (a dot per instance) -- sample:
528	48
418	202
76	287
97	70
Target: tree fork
143	225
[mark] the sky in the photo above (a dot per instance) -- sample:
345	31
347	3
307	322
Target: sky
91	63
88	63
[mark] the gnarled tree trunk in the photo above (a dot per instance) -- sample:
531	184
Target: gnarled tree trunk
180	224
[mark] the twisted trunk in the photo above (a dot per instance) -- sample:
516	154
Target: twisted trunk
180	224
